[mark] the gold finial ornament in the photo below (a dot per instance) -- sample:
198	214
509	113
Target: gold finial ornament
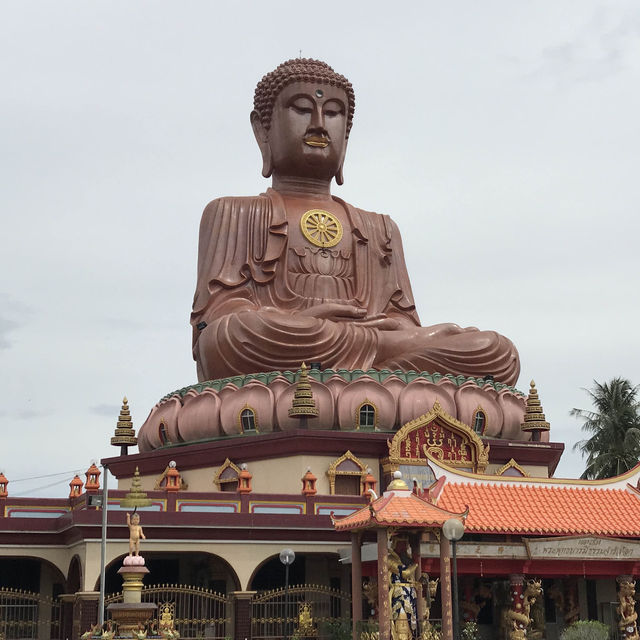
534	418
125	436
303	405
321	228
136	496
397	484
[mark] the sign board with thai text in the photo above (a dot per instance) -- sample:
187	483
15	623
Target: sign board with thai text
587	548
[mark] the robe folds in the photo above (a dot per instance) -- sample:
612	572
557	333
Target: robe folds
252	314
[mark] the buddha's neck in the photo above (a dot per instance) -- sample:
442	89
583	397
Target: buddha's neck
302	187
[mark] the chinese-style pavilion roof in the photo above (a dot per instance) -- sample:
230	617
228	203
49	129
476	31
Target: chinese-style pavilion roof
544	510
397	508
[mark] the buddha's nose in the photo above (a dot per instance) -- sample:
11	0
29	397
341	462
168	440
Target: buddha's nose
317	119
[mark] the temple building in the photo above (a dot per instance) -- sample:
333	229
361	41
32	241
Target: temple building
273	500
221	508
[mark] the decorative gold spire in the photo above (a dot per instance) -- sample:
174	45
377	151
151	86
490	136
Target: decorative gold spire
125	436
534	418
136	496
397	484
303	405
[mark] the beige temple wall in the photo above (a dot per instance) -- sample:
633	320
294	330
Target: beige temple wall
59	557
244	558
277	475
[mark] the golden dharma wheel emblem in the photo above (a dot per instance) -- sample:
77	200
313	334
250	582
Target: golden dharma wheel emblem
321	228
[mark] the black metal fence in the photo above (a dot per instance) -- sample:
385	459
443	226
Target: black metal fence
25	615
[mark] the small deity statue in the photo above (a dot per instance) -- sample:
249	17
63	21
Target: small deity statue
305	628
135	533
297	274
402	584
166	627
400	629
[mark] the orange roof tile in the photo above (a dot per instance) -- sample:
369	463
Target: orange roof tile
504	508
396	509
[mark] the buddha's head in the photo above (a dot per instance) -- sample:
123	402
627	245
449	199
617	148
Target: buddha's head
303	111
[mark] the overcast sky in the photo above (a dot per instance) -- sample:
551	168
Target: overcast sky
503	137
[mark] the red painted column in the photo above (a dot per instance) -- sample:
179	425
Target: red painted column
445	589
516	620
416	557
356	583
384	608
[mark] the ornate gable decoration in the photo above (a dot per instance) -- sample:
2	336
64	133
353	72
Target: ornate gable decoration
228	472
439	436
512	468
345	465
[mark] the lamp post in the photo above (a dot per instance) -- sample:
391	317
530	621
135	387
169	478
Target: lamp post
287	556
453	530
103	543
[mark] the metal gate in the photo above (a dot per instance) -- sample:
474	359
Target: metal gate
302	611
199	613
25	615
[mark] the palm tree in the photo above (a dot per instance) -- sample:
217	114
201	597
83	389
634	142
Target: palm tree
614	427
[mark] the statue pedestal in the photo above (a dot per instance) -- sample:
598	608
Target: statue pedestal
131	612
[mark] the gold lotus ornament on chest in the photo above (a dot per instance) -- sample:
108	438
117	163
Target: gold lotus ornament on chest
321	228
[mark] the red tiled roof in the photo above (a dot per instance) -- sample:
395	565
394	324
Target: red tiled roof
404	510
504	508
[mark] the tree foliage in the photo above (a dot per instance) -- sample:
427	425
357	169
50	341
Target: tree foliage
614	429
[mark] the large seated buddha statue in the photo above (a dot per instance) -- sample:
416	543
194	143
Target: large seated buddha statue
296	274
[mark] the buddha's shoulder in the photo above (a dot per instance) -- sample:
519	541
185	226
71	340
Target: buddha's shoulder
373	218
236	203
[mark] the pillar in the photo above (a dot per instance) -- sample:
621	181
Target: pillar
85	612
445	588
571	605
517	619
627	623
416	557
384	608
241	615
356	583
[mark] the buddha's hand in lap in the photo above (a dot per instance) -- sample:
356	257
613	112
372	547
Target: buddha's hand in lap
336	311
340	312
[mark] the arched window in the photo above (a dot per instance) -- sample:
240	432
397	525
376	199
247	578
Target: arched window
162	433
248	420
366	417
479	421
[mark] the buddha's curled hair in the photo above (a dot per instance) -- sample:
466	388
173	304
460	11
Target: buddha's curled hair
298	70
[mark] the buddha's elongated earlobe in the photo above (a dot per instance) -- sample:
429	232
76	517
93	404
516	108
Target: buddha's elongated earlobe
262	139
339	173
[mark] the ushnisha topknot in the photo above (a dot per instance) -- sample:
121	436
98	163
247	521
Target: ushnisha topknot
298	70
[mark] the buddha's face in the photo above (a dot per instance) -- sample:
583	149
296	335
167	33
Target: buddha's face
307	137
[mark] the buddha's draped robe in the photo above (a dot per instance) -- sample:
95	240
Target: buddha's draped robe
245	296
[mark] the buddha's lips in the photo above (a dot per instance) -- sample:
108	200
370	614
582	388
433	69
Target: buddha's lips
317	141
